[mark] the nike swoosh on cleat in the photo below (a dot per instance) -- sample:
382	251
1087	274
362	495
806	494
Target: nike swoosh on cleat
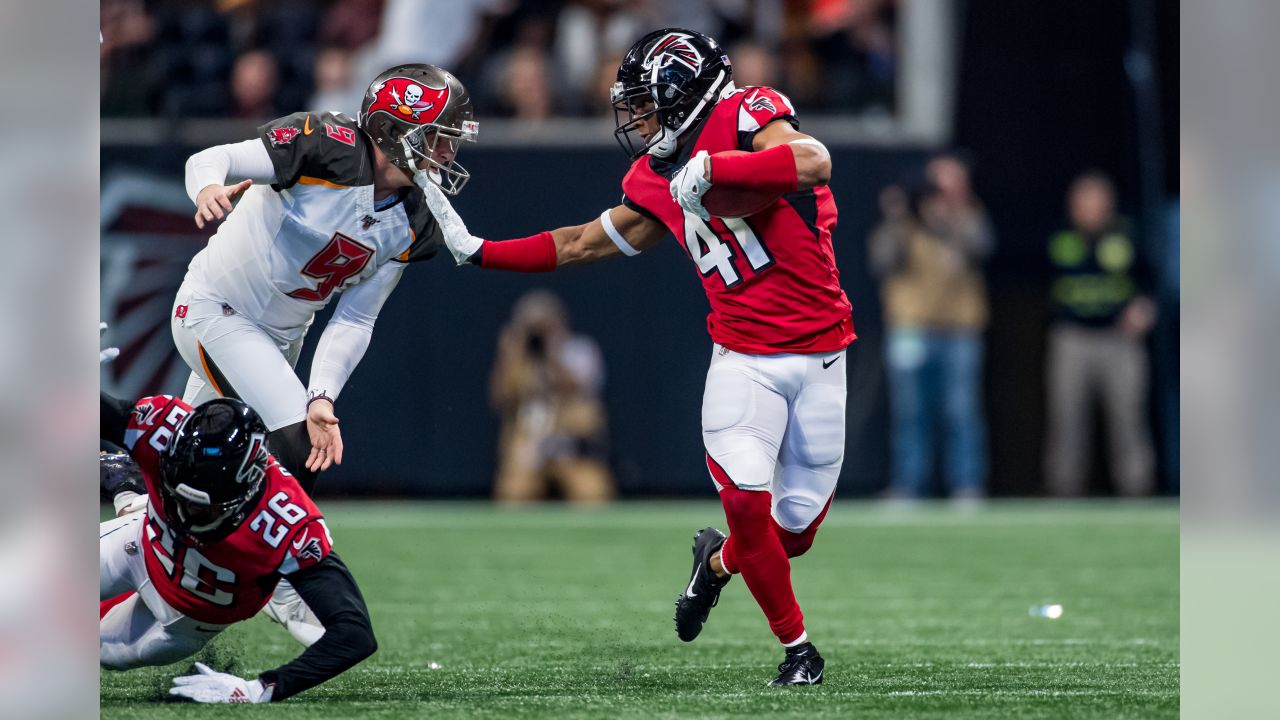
689	590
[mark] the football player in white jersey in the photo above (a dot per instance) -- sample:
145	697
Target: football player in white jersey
326	205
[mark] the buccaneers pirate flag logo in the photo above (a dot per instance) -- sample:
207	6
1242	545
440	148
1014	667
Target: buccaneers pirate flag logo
409	100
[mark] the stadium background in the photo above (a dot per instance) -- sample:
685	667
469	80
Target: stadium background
1036	92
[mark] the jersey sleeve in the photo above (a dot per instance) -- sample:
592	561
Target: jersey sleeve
427	236
152	422
308	545
636	195
759	107
320	148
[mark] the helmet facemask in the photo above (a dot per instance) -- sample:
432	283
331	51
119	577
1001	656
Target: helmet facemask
195	516
421	145
192	515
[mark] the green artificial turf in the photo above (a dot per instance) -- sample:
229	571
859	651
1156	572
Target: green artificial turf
554	612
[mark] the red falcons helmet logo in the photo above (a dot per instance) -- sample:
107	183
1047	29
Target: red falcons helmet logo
673	48
409	100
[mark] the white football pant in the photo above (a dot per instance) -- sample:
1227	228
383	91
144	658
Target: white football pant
776	423
144	629
223	347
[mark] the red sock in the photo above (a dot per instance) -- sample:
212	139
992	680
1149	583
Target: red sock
104	606
754	551
797	544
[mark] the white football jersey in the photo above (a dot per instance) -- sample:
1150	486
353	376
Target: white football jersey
285	250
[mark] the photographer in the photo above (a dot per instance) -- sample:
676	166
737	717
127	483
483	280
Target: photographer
929	256
546	386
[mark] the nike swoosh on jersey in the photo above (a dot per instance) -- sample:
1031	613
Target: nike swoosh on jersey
301	541
306	126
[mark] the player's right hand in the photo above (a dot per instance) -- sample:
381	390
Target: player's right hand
461	243
214	201
326	438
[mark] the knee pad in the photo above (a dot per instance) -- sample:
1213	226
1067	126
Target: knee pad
795	513
291	445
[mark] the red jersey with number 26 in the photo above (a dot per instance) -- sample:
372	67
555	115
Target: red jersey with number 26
771	278
229	580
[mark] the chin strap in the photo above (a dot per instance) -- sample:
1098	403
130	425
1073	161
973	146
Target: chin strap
670	138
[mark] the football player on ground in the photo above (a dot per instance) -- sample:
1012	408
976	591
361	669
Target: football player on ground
773	412
222	524
326	206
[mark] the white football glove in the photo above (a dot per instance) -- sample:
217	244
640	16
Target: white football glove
461	243
105	355
689	185
211	686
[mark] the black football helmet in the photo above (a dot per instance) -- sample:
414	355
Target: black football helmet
409	110
673	73
212	470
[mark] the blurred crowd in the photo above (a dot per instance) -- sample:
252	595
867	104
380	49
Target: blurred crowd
529	59
929	252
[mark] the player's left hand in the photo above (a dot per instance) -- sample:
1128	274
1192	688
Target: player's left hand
326	438
211	686
689	185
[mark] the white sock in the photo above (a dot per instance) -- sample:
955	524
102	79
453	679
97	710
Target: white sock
804	638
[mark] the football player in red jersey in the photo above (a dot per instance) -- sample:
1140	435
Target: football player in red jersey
224	522
773	411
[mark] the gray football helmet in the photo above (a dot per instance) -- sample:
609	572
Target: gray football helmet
409	110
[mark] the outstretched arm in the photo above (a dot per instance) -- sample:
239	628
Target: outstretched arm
332	594
618	231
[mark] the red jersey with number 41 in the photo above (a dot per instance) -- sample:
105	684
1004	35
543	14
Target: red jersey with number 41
229	580
771	278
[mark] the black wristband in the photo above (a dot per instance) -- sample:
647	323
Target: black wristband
318	395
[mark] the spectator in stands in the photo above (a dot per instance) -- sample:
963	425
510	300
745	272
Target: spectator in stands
336	88
127	34
546	386
930	261
753	64
587	31
526	85
351	24
254	82
1097	344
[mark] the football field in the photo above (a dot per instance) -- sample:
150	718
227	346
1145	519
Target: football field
553	613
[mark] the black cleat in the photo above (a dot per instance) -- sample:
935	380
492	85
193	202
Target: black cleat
695	603
803	666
